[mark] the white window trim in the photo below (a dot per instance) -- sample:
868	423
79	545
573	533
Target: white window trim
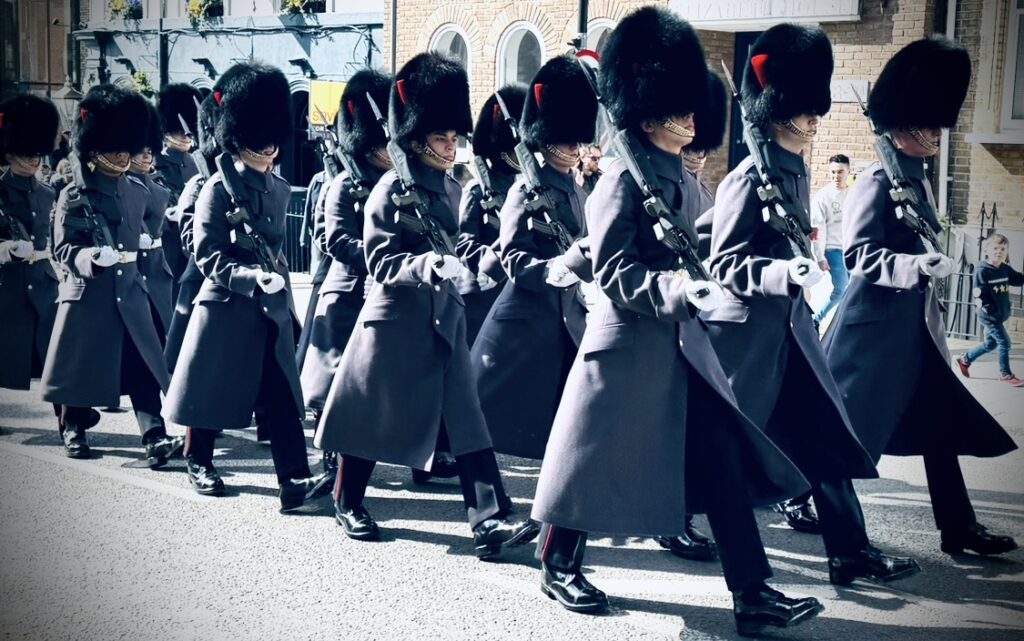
594	25
503	46
444	30
1010	71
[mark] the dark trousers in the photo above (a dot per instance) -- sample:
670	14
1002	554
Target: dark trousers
482	490
281	416
950	503
840	517
141	387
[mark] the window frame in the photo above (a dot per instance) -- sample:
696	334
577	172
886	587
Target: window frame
452	28
1010	67
595	25
503	45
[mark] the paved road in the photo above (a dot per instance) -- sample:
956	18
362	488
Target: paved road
104	549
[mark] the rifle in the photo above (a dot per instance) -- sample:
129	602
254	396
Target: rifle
779	211
538	203
242	233
14	227
411	198
334	157
197	155
672	229
329	150
492	201
77	200
902	191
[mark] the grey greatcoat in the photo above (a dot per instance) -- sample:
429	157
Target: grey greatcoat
406	365
28	287
217	377
764	336
98	305
617	458
529	339
886	346
191	279
152	263
478	247
174	168
341	294
323	266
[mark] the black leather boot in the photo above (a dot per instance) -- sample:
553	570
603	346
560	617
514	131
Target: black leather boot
871	564
572	590
759	607
976	538
494	535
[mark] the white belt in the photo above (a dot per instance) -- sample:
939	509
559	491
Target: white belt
157	243
37	256
127	257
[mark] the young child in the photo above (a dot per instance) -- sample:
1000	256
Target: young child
992	281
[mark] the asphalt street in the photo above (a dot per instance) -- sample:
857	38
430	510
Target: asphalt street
107	549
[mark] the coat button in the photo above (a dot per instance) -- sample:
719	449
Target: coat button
120	245
437	321
33	237
144	254
119	299
681	344
143	278
437	288
119	272
30	287
266	310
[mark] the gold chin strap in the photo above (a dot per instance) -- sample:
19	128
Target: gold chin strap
561	155
511	162
678	130
916	134
141	168
441	160
802	133
23	162
258	157
174	143
109	166
382	156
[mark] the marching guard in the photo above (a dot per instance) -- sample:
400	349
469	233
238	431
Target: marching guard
105	341
239	349
494	150
648	427
530	337
405	374
890	317
763	333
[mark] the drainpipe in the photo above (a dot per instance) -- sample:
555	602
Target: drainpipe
944	177
394	37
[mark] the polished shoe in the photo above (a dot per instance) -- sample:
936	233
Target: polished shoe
572	590
800	516
295	492
75	443
494	535
760	607
444	467
691	545
357	523
976	538
871	564
162	449
204	477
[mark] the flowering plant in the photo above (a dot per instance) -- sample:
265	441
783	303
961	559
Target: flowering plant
126	9
141	80
199	10
303	6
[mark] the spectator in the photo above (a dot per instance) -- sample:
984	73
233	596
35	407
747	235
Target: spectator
587	169
827	219
993	278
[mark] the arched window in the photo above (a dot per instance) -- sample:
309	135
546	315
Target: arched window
451	40
597	34
520	54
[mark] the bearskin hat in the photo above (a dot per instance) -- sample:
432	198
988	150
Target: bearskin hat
28	126
358	129
560	106
431	93
110	119
178	98
711	117
206	134
922	86
652	67
788	73
255	108
492	136
154	133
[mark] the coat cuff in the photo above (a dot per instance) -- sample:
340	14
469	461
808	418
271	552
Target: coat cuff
83	262
673	306
906	272
243	280
578	261
490	264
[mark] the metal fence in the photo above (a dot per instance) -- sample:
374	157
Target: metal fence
296	254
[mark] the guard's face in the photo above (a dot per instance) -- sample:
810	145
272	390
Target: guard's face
181	142
143	160
671	134
839	174
438	149
564	156
24	166
808	123
918	143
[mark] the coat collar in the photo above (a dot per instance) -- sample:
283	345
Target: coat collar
427	177
173	156
912	167
666	165
98	181
21	183
558	180
788	161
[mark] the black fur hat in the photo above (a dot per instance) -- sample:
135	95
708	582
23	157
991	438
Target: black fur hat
177	99
110	119
209	113
560	106
711	117
154	135
431	93
255	108
788	74
652	67
491	136
28	126
358	129
922	86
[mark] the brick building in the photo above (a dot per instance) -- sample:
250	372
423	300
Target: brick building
982	161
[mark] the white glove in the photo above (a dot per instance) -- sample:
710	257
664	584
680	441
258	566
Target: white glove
449	266
5	251
270	283
557	274
705	295
104	256
22	249
804	272
485	282
367	286
935	265
145	241
172	214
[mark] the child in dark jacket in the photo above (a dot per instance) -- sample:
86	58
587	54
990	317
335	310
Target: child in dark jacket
992	281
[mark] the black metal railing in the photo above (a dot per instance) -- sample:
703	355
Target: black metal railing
295	253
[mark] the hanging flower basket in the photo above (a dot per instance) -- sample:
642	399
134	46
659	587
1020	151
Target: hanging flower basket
126	9
293	7
201	10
